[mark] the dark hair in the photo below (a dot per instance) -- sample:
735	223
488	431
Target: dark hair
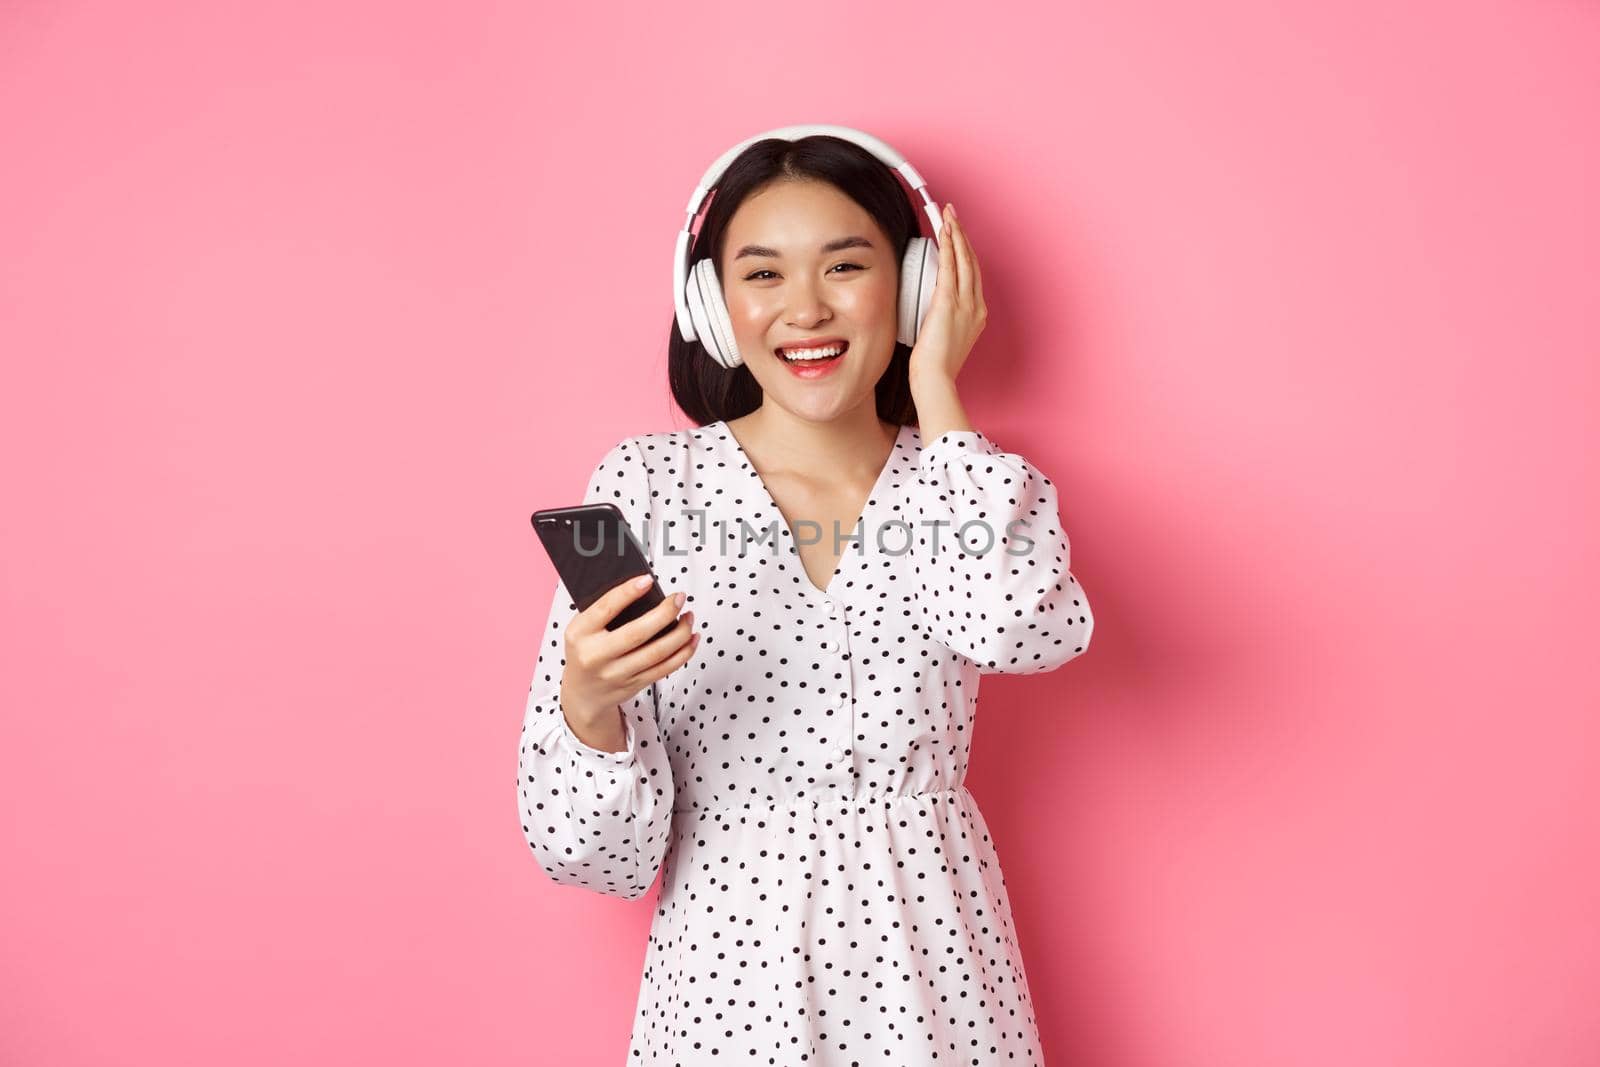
708	391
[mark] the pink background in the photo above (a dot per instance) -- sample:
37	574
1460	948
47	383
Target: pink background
305	307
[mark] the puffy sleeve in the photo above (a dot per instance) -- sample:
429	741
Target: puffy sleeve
991	558
595	819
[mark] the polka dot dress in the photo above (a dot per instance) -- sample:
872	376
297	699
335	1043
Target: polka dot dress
829	893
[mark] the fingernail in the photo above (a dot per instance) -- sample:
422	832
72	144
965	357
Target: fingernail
642	582
952	211
678	598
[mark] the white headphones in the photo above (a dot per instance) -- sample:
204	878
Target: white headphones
702	313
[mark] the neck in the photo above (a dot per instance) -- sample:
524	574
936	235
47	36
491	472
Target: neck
853	445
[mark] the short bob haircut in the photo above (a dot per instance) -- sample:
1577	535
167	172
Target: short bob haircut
705	389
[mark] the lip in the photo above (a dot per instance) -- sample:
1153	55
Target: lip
809	342
808	372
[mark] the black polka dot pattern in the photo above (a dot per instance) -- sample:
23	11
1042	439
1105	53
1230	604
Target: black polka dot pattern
829	893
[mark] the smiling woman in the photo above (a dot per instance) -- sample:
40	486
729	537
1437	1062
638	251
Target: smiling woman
819	211
830	893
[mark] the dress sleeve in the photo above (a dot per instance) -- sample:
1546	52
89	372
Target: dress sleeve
1007	601
595	819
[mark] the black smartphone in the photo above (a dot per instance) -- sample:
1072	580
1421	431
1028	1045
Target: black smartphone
594	551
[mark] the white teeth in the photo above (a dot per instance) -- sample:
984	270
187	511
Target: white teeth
812	353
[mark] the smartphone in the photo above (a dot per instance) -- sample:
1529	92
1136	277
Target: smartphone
594	551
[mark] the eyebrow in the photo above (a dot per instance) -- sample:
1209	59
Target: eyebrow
835	245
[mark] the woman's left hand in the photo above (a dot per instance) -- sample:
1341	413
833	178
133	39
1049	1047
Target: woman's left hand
956	313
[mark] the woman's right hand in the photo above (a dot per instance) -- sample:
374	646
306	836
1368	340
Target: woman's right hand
607	667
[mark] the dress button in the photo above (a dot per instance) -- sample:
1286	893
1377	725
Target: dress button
826	646
837	700
841	754
833	607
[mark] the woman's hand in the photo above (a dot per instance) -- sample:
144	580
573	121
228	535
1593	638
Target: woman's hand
956	314
606	667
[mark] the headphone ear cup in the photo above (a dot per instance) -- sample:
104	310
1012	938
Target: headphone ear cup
693	296
709	314
919	273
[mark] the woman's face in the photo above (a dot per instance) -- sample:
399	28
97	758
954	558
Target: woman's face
784	284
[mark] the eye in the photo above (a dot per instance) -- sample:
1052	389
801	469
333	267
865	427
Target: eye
755	275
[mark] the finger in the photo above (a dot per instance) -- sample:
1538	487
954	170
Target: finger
977	279
649	656
635	632
964	259
973	267
593	618
672	662
947	280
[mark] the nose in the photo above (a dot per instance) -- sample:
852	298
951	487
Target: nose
806	307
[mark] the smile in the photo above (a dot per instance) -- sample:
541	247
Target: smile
814	361
812	353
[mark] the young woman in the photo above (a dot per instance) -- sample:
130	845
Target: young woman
853	555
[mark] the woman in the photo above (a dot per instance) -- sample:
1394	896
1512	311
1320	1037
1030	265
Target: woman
791	755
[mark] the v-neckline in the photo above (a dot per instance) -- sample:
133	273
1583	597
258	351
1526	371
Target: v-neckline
879	486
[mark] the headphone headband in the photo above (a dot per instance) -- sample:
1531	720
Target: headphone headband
891	158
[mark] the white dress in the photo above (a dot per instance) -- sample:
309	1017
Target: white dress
829	893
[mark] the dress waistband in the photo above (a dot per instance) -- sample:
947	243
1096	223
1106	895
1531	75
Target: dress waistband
831	800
